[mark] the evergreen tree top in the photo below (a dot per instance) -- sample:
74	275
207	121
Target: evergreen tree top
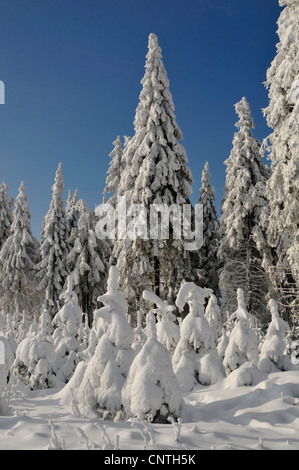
246	175
4	187
283	73
243	110
246	152
58	186
6	202
155	95
21	213
116	167
206	188
156	163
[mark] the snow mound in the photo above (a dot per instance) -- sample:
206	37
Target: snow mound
246	374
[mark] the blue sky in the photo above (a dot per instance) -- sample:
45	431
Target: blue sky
72	71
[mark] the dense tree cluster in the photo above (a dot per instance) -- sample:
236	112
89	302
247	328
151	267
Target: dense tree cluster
139	317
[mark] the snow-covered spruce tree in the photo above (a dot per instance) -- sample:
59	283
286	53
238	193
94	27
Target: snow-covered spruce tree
116	168
105	373
68	322
18	259
243	204
243	345
208	264
152	391
88	261
6	206
54	248
168	331
283	186
35	356
195	358
273	352
156	173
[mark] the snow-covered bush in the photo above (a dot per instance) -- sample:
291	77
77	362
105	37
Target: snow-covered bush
168	332
140	336
69	320
196	358
106	371
243	344
222	343
213	314
35	357
151	390
273	356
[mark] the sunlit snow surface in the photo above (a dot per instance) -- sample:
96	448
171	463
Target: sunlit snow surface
263	415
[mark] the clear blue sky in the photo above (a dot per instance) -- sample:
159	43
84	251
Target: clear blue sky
72	71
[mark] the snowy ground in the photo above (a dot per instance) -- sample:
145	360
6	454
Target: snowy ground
264	415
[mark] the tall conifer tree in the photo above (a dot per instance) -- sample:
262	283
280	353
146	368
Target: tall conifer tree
54	248
18	259
208	260
282	115
156	173
116	168
242	206
88	261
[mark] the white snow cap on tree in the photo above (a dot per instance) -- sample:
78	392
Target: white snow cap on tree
273	353
151	390
196	358
194	295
